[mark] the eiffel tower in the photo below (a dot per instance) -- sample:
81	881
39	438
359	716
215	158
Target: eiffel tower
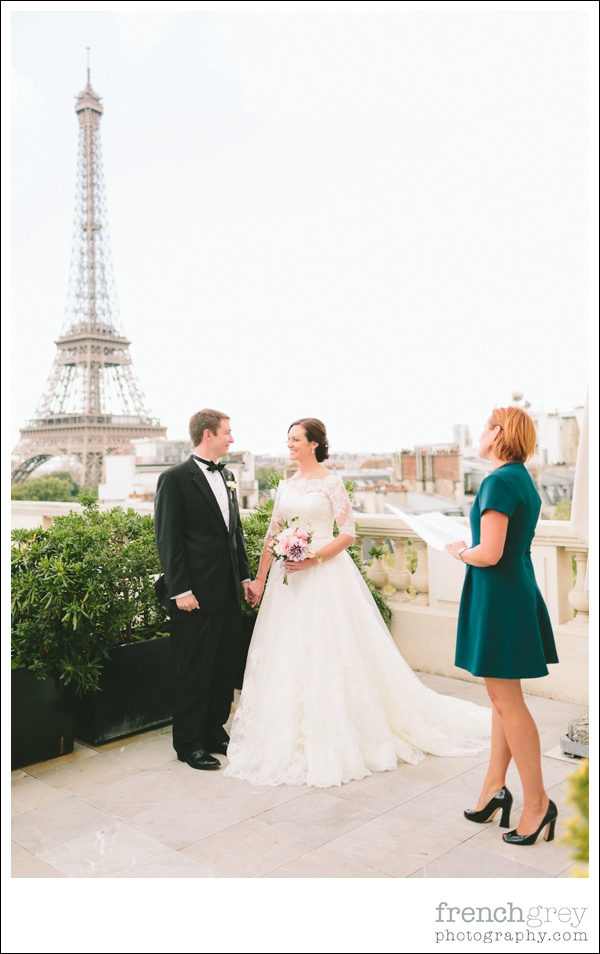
93	403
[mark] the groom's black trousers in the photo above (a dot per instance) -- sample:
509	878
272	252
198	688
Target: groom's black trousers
205	650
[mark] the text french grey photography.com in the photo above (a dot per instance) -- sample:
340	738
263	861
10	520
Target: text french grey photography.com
509	923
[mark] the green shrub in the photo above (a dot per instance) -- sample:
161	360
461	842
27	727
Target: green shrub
255	528
562	511
264	474
80	588
578	827
412	556
84	586
58	486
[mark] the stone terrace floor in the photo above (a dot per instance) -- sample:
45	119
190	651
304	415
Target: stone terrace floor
129	809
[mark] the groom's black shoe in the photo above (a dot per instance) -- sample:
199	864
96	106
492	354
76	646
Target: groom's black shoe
220	747
199	759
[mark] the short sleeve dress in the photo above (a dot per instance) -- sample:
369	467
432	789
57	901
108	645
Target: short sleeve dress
504	630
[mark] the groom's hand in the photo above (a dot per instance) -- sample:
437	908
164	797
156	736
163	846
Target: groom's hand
247	591
187	603
255	592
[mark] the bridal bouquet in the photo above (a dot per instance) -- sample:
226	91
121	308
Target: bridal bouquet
291	542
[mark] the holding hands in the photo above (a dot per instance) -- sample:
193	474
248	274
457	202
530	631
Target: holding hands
246	588
253	592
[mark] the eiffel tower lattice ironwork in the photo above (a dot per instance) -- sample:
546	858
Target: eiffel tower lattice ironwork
93	403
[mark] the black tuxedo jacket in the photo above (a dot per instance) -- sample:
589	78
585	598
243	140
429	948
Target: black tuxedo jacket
196	550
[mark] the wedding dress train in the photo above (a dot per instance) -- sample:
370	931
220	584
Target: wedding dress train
327	697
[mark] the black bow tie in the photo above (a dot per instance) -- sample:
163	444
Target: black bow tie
210	464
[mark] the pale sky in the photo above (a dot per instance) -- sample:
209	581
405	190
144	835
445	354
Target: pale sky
378	217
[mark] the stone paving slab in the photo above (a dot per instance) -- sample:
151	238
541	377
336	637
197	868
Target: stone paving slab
464	860
129	809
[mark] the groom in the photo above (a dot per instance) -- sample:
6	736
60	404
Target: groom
201	548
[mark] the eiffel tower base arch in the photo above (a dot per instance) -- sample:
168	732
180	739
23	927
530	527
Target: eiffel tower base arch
76	436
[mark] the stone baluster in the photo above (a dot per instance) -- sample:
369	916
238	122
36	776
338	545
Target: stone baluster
359	541
420	578
399	575
378	571
578	598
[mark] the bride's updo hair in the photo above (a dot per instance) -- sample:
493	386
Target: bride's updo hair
315	431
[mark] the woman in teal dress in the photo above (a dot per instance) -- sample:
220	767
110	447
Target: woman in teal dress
504	631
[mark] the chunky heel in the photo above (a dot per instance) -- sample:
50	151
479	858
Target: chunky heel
502	801
548	822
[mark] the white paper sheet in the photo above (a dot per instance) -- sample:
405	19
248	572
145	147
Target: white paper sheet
437	529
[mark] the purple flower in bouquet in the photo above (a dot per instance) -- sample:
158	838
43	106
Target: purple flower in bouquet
291	542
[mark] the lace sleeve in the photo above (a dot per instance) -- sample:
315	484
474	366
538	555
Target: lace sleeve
277	516
342	508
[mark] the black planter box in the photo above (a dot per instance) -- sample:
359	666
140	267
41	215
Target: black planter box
42	714
135	693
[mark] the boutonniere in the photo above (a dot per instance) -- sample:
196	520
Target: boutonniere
231	484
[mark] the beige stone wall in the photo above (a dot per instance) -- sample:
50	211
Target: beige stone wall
426	615
569	435
426	637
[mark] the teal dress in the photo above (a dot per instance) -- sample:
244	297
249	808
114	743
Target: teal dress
504	630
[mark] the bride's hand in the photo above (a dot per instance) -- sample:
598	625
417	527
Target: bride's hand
255	590
292	567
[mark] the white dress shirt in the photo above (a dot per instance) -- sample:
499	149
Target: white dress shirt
217	485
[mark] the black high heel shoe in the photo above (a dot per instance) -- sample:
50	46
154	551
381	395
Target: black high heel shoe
548	822
502	800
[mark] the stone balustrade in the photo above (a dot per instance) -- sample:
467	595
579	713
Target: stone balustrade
425	602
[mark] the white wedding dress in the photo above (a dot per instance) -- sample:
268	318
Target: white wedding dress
327	697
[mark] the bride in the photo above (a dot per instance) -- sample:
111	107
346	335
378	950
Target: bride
327	697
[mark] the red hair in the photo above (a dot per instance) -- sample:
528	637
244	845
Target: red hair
518	438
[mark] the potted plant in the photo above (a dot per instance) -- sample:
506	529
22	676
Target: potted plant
85	619
378	572
255	528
